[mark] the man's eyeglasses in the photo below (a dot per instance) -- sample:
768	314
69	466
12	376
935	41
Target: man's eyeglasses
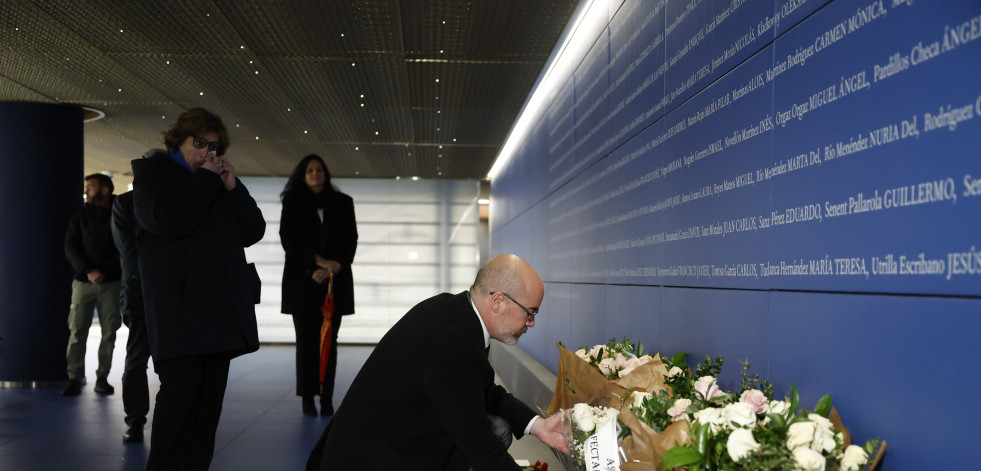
531	315
201	143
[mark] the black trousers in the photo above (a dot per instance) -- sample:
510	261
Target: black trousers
136	394
307	329
185	417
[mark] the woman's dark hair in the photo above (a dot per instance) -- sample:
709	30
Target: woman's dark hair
297	183
193	122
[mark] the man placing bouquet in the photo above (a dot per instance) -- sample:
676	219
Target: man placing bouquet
426	400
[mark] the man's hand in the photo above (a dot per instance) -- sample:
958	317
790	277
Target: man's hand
95	276
549	431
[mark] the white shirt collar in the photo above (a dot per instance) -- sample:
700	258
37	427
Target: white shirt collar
482	326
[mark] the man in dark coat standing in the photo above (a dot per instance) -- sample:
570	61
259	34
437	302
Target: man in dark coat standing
92	253
424	398
194	220
136	391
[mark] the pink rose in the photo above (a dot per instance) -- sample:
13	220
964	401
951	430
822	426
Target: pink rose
677	411
706	387
761	405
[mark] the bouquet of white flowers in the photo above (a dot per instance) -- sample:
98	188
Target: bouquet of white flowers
593	437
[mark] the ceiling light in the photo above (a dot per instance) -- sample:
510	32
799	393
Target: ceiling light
483	201
415	179
567	58
257	138
201	93
437	80
304	131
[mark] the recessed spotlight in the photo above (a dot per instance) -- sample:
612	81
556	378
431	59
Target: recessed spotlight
120	31
437	80
362	105
257	138
201	93
289	109
304	131
257	72
352	64
437	129
357	148
376	133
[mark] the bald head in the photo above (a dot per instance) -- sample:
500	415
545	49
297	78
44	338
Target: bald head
508	273
507	294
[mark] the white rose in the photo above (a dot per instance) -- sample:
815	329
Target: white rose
824	435
678	412
607	366
854	458
741	443
712	416
800	434
586	424
707	388
675	371
581	353
779	407
741	413
808	459
638	398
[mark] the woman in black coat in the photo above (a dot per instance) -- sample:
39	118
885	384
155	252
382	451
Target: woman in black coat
194	220
319	235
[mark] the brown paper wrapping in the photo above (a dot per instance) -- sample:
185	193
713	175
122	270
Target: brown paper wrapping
592	388
644	447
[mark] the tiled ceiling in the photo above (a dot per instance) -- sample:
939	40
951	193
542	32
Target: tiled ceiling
379	88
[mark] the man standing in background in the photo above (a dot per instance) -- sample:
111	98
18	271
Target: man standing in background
136	392
90	250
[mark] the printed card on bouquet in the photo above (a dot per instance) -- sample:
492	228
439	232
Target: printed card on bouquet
601	453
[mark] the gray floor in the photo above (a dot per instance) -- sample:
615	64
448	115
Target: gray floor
261	425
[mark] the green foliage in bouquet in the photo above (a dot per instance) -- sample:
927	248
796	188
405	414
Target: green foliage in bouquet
785	439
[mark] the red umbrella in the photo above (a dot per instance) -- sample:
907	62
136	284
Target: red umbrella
326	330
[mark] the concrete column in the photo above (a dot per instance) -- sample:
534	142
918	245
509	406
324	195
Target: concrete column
41	163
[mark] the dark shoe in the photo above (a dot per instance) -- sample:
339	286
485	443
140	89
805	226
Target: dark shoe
133	434
103	387
73	388
308	407
326	409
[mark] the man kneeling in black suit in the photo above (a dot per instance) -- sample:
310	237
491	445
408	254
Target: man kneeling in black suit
425	399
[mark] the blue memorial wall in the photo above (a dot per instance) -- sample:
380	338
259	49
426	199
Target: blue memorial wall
795	183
